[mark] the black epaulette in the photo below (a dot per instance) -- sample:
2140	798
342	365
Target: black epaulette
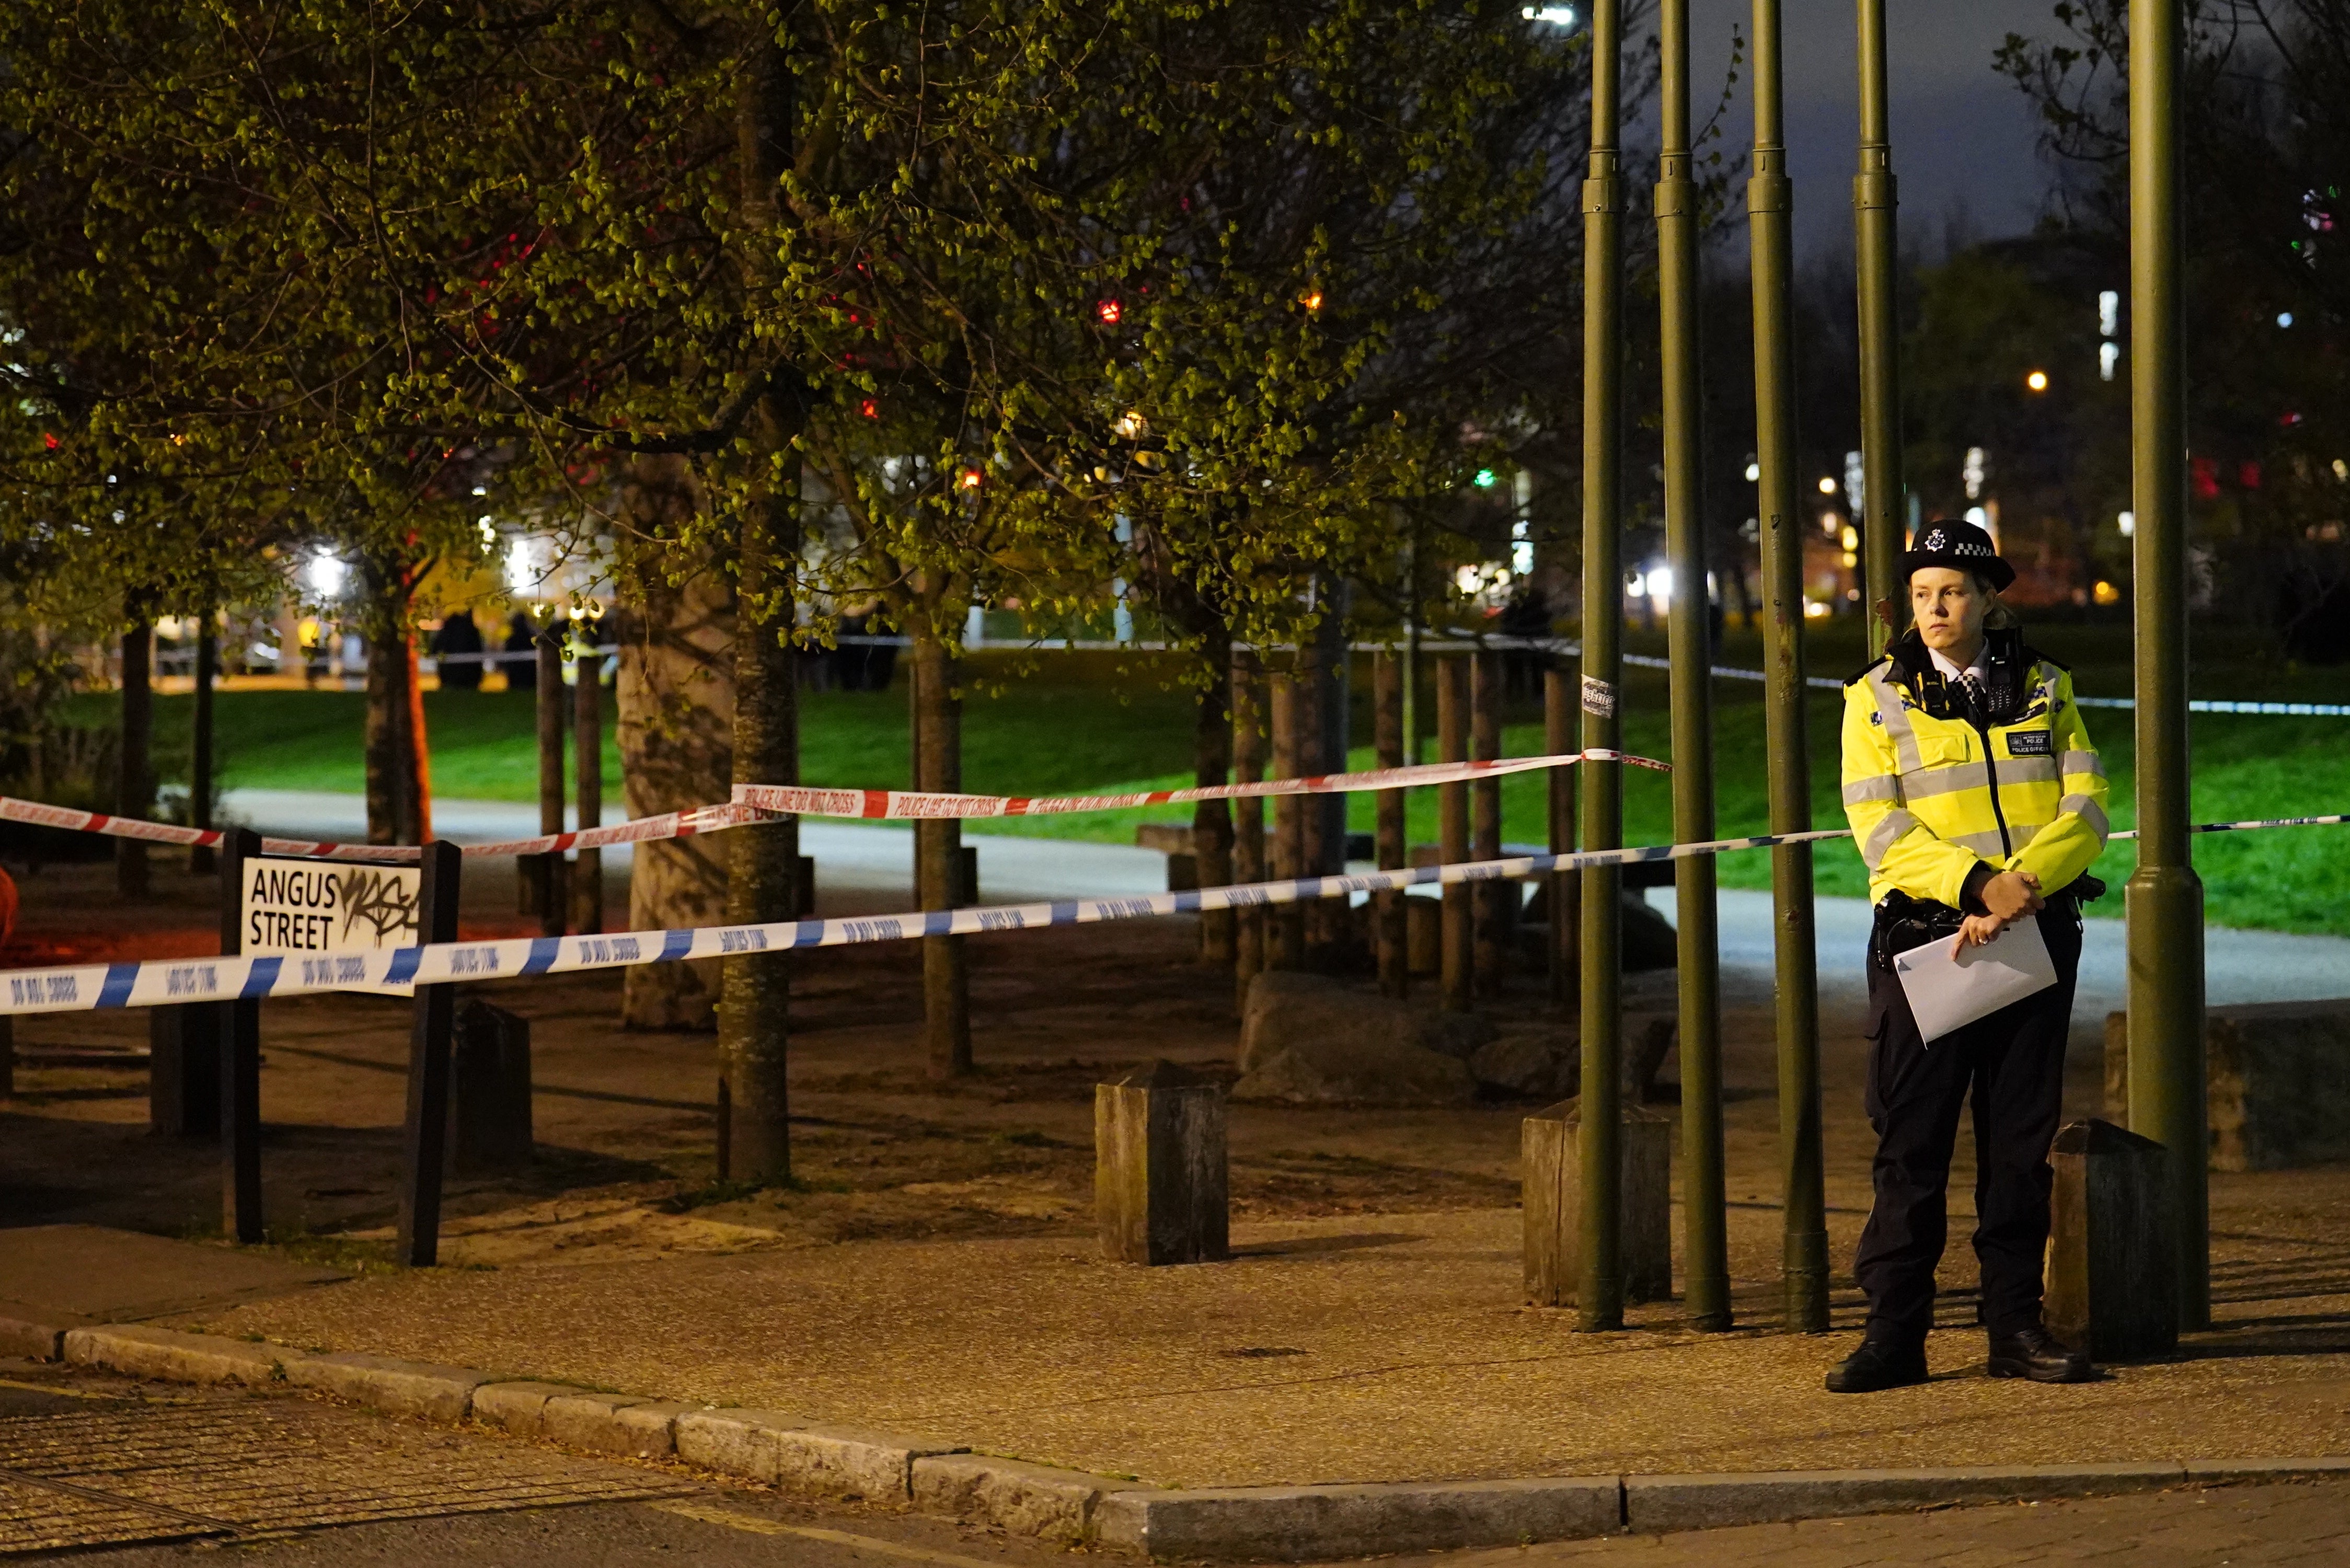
2039	657
1862	673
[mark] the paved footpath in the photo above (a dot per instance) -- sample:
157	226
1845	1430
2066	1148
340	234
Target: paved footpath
123	1473
129	1473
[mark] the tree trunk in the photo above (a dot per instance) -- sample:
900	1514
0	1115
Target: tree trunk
587	764
946	976
134	774
1286	923
762	882
1212	820
675	697
1452	812
1492	905
1248	819
398	774
200	761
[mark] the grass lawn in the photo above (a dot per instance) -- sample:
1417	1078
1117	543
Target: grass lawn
1081	722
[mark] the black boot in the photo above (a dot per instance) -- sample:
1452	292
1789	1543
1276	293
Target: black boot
2036	1354
1879	1364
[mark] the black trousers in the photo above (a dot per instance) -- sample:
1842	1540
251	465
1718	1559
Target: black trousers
2011	1067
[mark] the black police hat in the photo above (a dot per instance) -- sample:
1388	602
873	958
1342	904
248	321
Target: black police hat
1960	546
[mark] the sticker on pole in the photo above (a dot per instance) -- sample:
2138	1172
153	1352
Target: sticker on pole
303	907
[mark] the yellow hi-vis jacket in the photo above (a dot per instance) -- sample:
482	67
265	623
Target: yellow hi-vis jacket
1930	799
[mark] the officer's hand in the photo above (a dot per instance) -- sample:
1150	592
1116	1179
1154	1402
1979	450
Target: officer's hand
2011	895
1979	931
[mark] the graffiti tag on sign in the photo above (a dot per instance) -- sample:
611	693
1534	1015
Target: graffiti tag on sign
293	907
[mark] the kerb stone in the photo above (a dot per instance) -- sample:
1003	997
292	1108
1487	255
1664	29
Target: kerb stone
1025	1498
33	1341
519	1409
170	1356
614	1423
1293	1524
2212	1472
851	1462
1655	1504
734	1442
444	1394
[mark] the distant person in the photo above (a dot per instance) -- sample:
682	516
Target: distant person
460	636
1525	617
522	638
1978	804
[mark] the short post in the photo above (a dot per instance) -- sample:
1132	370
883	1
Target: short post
489	1090
2113	1276
1492	904
587	764
424	1148
1452	816
184	1070
239	1051
806	887
1160	1189
1550	1145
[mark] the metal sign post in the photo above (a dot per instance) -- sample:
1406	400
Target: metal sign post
424	1149
240	1056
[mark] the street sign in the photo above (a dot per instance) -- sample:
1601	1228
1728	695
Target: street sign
289	905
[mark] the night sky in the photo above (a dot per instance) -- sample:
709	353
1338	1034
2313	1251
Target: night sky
1962	135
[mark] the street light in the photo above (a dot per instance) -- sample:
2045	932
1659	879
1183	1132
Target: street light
2037	381
1828	484
1555	16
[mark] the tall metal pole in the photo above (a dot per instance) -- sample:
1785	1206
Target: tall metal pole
1769	201
2165	896
1600	1294
1879	511
1705	1238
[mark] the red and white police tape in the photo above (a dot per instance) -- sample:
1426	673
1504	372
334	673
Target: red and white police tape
85	988
877	804
758	803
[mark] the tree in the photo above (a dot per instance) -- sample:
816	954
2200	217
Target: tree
2266	101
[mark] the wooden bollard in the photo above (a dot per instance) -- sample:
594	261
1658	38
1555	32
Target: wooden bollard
184	1070
1554	1204
1160	1191
489	1090
2112	1269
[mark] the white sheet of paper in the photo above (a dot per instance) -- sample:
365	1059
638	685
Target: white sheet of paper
1947	993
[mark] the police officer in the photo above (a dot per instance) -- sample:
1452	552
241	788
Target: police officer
1978	802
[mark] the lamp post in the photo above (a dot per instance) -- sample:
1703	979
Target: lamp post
1873	205
1769	198
2164	897
1599	1295
1705	1246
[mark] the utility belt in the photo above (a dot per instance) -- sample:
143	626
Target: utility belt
1903	922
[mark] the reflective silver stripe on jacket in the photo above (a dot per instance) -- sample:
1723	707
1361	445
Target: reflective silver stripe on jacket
2027	769
2087	809
1992	846
1884	836
2082	762
1884	787
1897	720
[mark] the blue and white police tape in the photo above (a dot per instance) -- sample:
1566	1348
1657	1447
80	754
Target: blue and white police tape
164	981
